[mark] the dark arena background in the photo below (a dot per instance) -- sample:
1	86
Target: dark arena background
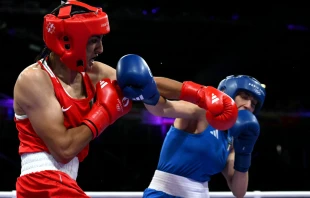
201	41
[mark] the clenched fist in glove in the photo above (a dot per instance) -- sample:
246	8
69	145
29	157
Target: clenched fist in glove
221	109
109	106
245	132
136	80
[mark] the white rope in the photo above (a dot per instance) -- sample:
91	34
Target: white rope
253	194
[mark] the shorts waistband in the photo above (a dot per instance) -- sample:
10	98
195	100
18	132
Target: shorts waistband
41	161
179	186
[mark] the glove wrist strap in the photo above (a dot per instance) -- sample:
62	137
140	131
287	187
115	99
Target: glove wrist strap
189	92
97	120
242	162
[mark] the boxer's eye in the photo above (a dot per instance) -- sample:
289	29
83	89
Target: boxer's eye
94	40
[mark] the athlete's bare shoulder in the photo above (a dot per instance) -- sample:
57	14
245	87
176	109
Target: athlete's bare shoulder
33	72
31	84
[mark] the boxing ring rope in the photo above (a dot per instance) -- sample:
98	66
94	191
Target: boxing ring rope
253	194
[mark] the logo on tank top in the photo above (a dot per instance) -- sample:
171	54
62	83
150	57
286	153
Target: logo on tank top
65	109
215	133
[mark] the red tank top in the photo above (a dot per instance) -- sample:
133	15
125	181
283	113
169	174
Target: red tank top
73	109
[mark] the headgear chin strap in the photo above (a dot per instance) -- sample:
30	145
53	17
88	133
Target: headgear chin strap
231	85
67	34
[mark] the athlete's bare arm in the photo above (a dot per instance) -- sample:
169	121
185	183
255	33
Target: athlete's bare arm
34	94
175	109
237	181
169	88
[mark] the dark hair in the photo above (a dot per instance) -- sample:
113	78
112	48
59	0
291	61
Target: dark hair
43	54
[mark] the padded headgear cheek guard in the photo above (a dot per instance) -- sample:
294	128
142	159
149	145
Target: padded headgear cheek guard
67	35
231	85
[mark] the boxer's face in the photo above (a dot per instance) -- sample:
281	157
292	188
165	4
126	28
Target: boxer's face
94	47
245	101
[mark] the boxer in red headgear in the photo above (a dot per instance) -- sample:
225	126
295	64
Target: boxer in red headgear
55	114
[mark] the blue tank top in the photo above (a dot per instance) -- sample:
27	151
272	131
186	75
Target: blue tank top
194	156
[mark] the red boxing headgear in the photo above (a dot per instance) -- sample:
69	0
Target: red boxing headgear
67	35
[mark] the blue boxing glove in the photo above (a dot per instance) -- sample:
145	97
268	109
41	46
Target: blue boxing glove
136	80
245	132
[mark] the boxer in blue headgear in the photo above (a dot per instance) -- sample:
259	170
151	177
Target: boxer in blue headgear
194	150
198	145
246	130
234	84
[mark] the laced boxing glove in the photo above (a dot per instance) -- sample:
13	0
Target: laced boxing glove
245	132
221	109
109	106
136	80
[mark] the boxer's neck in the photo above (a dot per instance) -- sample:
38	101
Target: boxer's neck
64	73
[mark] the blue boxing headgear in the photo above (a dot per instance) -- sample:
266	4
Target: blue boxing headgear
231	85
